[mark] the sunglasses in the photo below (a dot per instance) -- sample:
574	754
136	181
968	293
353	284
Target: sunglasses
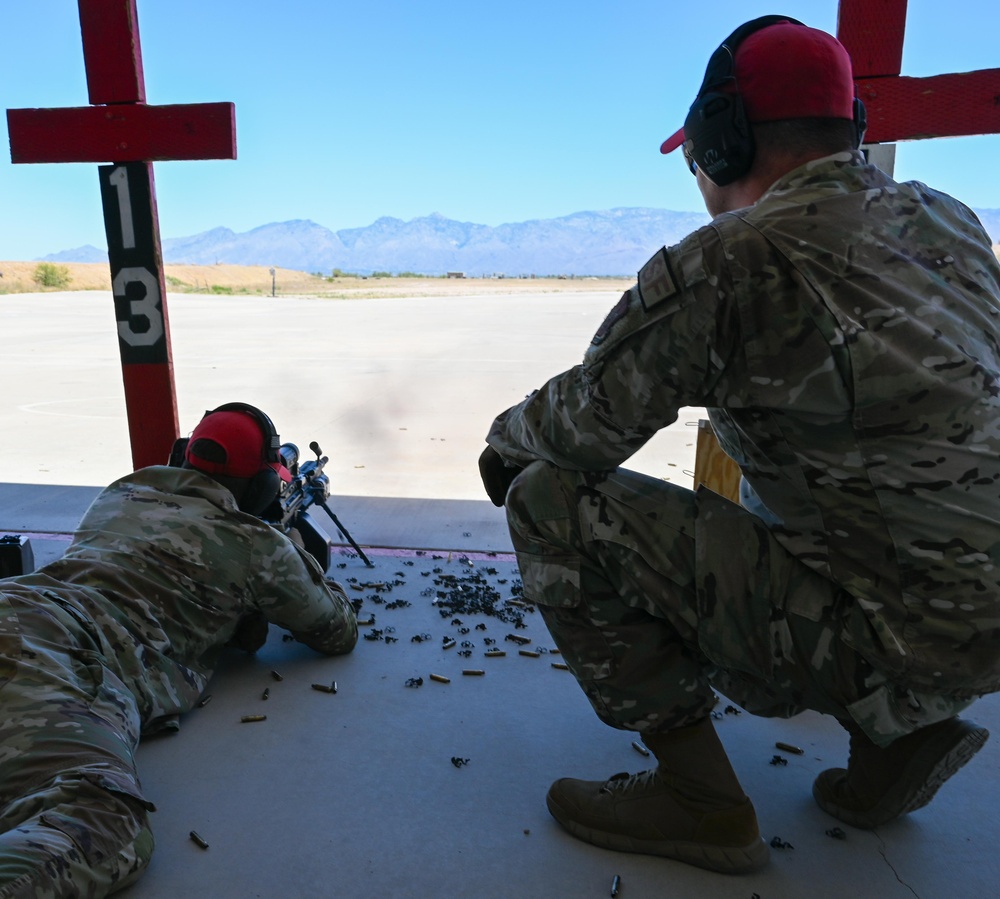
688	158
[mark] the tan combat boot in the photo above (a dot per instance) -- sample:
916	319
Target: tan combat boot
690	808
881	784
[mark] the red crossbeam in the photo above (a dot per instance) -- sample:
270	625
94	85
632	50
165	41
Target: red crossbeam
123	133
901	108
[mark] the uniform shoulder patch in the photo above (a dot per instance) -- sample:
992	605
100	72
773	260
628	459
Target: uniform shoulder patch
656	280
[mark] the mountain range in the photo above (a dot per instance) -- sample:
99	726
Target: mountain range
607	243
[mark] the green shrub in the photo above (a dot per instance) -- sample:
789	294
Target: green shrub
48	274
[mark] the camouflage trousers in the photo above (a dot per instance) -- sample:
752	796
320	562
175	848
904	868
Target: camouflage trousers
73	821
657	595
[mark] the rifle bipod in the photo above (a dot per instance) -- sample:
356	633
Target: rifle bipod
344	533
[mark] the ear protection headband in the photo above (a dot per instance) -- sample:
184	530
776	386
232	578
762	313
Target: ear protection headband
720	136
264	486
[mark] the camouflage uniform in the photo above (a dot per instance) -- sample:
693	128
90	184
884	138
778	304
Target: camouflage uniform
118	638
842	333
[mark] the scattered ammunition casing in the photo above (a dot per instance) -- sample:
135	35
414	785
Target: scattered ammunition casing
517	638
787	747
246	719
205	700
366	621
473	672
275	675
562	666
528	652
638	747
440	678
494	653
325	688
555	652
616	885
200	840
516	602
266	693
448	644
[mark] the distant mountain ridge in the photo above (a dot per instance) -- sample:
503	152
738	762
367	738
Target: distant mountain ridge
606	243
611	242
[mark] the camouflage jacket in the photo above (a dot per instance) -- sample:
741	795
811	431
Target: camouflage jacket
843	334
161	571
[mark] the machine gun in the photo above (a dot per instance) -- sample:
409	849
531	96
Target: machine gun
310	486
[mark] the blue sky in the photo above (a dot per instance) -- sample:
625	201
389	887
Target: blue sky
487	113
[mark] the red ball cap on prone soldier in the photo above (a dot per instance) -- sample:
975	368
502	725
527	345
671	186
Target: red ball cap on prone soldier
232	443
238	446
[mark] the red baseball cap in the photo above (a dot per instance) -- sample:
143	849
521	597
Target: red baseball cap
788	71
230	443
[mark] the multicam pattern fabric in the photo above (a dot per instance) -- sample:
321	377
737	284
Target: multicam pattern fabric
118	637
843	334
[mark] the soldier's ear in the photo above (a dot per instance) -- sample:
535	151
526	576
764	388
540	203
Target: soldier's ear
261	490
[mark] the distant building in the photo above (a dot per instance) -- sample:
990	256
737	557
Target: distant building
456	274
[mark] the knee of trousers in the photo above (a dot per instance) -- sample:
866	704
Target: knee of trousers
85	839
542	492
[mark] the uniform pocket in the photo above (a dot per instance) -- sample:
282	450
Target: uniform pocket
552	582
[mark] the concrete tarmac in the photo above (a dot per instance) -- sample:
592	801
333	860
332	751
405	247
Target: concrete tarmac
400	393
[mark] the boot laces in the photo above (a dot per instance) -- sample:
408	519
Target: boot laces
625	783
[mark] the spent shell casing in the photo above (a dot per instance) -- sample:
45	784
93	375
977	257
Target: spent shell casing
616	885
638	747
246	719
440	678
205	700
325	688
275	675
528	652
197	838
517	638
448	644
787	747
494	653
473	672
266	694
562	666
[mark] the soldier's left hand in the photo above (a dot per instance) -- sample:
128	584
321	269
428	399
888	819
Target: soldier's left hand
497	475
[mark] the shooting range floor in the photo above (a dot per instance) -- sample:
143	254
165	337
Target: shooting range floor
384	790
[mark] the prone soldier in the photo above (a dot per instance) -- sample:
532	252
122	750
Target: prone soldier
120	636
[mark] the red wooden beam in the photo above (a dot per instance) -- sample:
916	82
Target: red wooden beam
872	32
123	133
111	51
120	129
902	108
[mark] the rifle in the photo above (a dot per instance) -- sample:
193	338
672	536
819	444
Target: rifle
309	486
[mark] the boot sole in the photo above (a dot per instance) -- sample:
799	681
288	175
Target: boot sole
919	782
723	859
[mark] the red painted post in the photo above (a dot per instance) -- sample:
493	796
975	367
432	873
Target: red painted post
119	128
902	108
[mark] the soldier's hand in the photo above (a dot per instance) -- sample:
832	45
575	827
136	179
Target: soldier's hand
251	632
496	475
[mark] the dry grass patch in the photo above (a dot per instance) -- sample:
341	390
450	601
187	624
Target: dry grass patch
255	280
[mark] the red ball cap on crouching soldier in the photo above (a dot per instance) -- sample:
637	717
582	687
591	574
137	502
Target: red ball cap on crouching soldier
230	443
789	71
